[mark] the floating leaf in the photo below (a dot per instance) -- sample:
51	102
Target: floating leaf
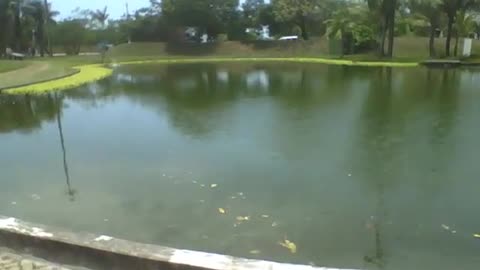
274	224
202	185
255	251
265	216
213	185
289	245
476	235
445	227
240	218
222	211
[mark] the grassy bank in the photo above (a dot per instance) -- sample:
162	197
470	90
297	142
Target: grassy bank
10	65
407	49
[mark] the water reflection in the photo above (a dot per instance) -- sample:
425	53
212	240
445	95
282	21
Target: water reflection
359	167
26	113
70	191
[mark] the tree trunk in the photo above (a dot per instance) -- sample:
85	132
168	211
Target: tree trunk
383	36
17	28
391	27
455	49
303	26
431	42
451	18
47	33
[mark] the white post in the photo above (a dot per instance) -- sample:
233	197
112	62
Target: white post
467	47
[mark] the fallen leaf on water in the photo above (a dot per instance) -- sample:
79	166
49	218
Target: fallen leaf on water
255	251
476	235
240	218
274	224
202	185
213	185
265	216
233	197
289	245
222	211
445	227
195	182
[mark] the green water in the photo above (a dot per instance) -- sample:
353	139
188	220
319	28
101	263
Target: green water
360	167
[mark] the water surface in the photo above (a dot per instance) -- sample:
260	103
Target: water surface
360	167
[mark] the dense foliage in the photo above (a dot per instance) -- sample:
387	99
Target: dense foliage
360	25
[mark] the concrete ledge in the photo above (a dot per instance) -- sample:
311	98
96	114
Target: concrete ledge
105	252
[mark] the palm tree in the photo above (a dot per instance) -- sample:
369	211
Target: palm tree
100	16
48	20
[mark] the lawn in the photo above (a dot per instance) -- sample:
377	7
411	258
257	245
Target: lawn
37	71
407	49
9	65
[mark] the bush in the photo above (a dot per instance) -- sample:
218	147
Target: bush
364	38
222	37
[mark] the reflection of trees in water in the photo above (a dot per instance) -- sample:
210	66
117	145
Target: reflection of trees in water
26	113
70	191
390	115
377	117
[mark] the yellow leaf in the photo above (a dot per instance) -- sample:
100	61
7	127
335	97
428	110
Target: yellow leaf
213	185
240	218
476	235
289	245
255	251
222	211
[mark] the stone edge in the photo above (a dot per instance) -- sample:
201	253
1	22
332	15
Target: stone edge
162	255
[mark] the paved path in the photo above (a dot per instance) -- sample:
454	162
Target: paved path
11	261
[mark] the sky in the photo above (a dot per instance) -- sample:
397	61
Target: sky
116	8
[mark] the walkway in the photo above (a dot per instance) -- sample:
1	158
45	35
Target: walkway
12	261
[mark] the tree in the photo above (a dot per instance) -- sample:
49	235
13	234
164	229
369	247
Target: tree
464	25
296	11
210	16
428	11
71	34
100	16
383	11
251	10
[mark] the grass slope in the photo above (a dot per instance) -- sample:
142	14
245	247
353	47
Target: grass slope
8	65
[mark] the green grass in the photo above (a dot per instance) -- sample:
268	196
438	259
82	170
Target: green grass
407	49
86	74
9	65
37	71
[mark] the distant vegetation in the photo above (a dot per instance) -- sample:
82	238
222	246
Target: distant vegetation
351	26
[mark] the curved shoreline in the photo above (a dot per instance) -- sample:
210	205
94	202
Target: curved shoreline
84	75
91	73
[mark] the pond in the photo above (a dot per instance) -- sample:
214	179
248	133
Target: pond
361	168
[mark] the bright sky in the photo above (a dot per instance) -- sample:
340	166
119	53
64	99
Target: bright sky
116	8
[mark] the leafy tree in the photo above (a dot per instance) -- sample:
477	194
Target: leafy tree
296	11
71	34
251	10
210	16
464	25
